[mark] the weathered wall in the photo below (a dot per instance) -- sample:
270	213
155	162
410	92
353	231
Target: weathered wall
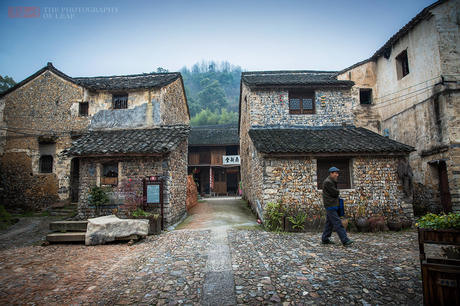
172	169
177	182
408	108
174	106
272	108
251	167
376	186
49	106
40	107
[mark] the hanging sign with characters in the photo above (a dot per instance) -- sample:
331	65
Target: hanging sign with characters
231	160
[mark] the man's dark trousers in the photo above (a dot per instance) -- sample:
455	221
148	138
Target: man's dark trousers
333	223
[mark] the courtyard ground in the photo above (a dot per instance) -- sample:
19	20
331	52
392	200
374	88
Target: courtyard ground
228	263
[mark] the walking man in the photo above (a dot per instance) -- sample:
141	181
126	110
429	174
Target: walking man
331	204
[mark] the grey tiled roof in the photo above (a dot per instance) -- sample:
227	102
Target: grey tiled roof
134	81
214	135
347	139
293	78
156	140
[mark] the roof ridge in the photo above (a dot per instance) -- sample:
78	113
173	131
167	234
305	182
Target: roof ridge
129	75
287	71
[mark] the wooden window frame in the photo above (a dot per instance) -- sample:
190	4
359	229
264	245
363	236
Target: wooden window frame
120	101
345	174
110	180
46	163
305	94
83	109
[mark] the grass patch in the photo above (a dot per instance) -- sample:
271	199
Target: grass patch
256	227
6	219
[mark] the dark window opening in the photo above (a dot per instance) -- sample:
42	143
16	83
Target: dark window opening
301	102
110	174
365	96
231	150
322	172
120	101
83	109
46	164
402	64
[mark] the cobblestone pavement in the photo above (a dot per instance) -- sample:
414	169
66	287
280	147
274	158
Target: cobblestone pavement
380	268
171	269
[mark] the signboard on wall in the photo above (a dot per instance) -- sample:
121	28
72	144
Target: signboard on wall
153	193
231	159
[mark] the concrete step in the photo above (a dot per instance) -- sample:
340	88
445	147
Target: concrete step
69	226
66	237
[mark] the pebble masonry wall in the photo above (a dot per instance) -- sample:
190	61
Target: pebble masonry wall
272	108
375	186
48	105
132	170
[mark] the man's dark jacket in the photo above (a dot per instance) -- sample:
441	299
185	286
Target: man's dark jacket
330	193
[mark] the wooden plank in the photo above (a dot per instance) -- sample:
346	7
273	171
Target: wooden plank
75	226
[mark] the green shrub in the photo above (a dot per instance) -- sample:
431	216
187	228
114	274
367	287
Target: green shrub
5	218
433	221
298	220
98	196
273	217
139	212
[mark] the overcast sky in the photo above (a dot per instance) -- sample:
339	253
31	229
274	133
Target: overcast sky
125	37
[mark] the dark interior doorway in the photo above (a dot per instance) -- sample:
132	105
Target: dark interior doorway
232	183
444	187
74	179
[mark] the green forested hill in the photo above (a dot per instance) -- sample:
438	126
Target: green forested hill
212	91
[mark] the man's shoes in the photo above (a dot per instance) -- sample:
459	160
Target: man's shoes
348	242
327	242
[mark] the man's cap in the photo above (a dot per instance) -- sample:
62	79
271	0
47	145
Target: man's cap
333	169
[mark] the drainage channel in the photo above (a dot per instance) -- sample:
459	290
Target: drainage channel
219	284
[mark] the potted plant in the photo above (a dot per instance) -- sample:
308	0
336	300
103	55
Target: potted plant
442	230
154	220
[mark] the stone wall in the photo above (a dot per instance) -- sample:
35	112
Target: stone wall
39	109
333	107
128	194
375	186
48	107
420	109
174	106
177	183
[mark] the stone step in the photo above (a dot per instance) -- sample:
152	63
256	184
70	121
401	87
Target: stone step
66	237
80	237
69	226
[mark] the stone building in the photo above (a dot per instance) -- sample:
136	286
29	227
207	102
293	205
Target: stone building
293	126
49	110
214	159
409	90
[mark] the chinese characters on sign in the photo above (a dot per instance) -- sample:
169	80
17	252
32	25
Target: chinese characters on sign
231	160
